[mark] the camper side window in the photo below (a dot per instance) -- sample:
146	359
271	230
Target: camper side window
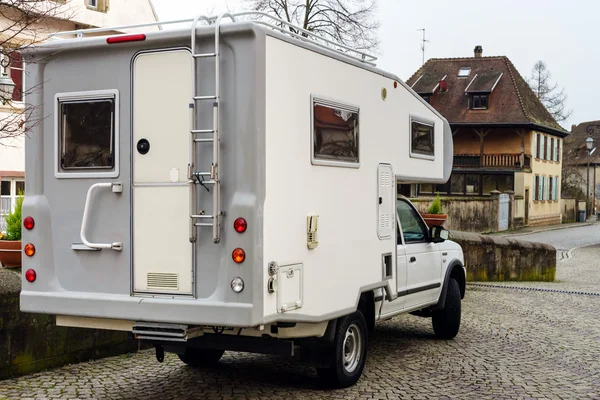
421	138
86	134
335	134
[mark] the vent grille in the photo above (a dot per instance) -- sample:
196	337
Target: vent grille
385	221
161	280
385	179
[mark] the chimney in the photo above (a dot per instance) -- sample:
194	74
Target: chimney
478	51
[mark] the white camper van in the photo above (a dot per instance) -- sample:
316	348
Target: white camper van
230	186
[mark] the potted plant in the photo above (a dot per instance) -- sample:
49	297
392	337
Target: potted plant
434	215
10	243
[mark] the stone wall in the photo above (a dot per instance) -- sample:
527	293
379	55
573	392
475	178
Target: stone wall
32	342
568	209
492	258
467	214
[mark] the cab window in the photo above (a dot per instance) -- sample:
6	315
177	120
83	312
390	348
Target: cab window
412	226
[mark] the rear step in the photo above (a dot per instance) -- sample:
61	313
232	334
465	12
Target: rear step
165	332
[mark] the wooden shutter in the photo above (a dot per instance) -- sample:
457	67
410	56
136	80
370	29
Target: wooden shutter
16	74
542	148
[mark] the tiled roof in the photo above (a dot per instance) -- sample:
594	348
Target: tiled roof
427	83
484	83
575	150
511	102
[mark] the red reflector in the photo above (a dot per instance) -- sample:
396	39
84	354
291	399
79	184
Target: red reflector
240	225
238	255
125	38
28	223
30	275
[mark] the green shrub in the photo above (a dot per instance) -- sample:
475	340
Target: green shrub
436	206
13	221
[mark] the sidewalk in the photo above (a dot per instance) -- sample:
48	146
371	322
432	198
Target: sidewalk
536	229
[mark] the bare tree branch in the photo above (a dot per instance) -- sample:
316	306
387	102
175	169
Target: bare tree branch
553	99
24	23
348	22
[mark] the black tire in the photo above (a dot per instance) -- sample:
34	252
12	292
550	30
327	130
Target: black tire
349	352
446	322
201	357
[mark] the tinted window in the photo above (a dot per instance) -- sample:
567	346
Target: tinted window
413	228
336	132
422	138
87	134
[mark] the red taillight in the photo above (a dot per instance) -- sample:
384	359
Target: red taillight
28	223
238	255
30	275
125	38
240	225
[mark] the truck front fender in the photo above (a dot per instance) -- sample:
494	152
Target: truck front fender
455	270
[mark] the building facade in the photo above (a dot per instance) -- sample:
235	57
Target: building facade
65	15
504	138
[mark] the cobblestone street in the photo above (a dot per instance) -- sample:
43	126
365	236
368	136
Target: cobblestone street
514	343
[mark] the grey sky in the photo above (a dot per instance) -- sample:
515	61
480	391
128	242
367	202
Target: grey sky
564	34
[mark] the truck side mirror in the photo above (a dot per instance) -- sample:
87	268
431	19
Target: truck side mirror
438	234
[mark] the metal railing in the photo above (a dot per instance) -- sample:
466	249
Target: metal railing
277	24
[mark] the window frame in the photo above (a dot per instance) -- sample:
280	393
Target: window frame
331	103
95	95
424	121
480	96
420	221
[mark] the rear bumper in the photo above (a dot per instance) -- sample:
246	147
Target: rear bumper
168	310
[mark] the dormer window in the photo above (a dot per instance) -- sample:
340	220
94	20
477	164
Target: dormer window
479	101
464	72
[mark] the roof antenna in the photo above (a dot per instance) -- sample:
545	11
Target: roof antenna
423	44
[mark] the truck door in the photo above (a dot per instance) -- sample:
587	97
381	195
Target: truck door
424	261
162	251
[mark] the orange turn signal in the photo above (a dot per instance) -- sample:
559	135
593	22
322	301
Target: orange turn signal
238	255
29	249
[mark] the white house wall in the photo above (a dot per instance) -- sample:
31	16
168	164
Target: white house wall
349	252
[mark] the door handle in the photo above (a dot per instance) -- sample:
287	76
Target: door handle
116	187
413	259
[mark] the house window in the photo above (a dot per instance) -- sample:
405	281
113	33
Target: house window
426	98
537	186
472	184
479	101
457	184
464	72
87	134
500	182
10	190
97	5
335	131
92	3
422	141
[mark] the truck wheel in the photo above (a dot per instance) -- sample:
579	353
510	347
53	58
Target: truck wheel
201	357
446	322
349	352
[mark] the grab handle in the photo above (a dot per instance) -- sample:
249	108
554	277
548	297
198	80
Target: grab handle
116	187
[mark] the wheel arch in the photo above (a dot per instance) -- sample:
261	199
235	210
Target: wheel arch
455	270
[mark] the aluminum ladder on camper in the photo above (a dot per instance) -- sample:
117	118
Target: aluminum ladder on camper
199	218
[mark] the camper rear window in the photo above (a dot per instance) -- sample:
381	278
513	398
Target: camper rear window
87	135
335	134
422	138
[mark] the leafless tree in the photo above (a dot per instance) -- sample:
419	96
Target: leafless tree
553	98
348	22
23	23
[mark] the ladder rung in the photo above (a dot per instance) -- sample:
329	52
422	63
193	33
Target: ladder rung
202	216
203	131
211	182
205	97
201	173
205	55
203	140
203	224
